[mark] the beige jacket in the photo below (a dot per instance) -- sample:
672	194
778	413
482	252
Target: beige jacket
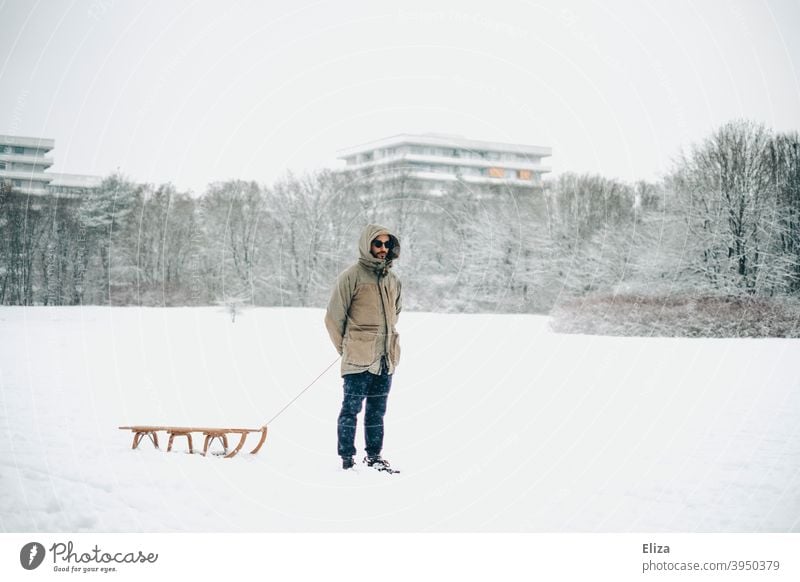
364	307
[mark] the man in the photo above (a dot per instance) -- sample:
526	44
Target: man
360	319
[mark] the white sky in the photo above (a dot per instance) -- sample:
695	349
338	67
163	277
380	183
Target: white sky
191	92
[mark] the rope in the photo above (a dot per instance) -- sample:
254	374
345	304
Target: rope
302	392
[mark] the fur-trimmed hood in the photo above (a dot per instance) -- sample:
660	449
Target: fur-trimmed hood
369	234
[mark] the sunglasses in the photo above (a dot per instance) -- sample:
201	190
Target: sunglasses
380	244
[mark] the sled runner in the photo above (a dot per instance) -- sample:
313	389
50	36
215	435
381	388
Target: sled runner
211	434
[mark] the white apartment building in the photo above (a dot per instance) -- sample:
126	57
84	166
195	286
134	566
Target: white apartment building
72	185
23	165
23	161
436	159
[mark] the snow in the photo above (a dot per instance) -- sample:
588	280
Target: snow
497	423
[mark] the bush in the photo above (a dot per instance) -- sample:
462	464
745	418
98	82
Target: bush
679	316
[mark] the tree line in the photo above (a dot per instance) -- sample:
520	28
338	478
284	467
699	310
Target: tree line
725	221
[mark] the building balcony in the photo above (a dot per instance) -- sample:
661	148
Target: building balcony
40	143
25	176
466	178
444	141
442	178
40	161
408	159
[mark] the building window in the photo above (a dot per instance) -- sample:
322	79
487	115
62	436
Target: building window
496	172
19	150
524	174
2	165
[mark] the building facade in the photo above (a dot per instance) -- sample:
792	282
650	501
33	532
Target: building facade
436	160
72	185
23	165
23	161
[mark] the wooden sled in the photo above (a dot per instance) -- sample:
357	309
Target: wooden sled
211	434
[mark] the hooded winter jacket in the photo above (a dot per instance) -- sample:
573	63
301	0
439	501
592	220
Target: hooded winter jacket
364	307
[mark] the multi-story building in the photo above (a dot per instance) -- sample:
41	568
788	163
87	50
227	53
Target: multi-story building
72	185
435	160
23	161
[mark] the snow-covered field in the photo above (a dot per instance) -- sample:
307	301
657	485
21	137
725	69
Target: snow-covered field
497	423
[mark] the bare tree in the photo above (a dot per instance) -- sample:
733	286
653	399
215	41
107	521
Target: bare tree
23	226
103	215
725	184
236	224
314	216
785	160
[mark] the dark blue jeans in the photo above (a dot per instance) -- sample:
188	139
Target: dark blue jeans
357	388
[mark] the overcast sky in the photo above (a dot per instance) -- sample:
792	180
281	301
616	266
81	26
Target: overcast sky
192	92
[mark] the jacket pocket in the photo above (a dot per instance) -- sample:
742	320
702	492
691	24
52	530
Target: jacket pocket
394	348
359	348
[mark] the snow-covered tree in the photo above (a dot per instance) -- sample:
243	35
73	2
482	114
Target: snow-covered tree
102	219
726	187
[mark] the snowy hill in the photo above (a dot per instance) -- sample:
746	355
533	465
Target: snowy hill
497	423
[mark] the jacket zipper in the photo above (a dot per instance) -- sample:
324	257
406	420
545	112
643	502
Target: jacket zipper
386	323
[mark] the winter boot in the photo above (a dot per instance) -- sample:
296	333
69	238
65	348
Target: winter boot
348	463
379	463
